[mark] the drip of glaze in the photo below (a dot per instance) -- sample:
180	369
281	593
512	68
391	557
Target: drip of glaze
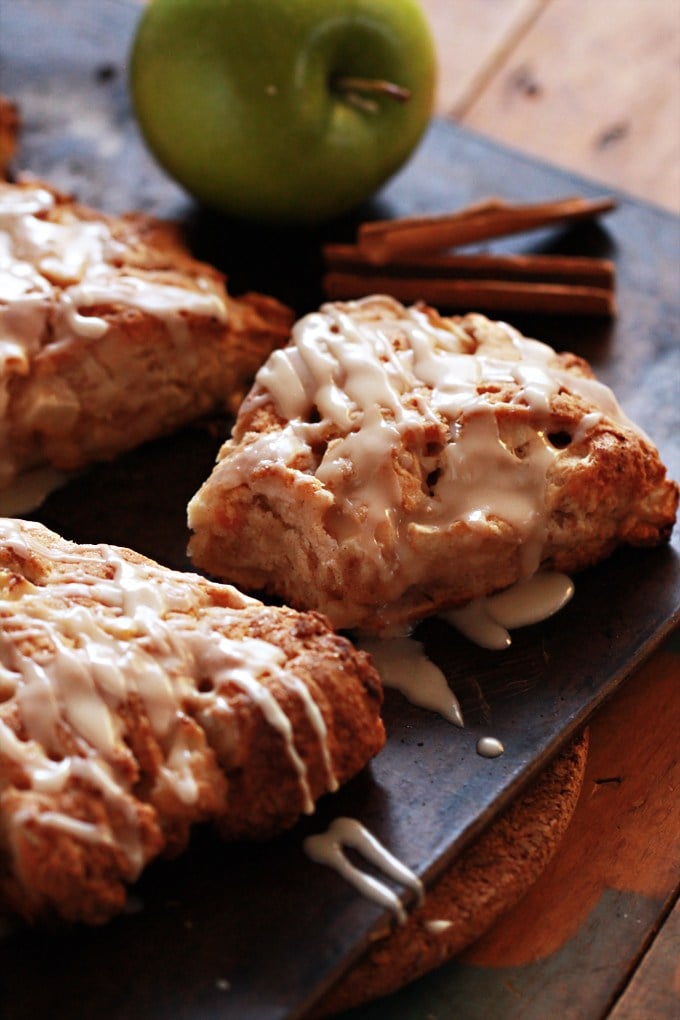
30	489
404	666
437	926
329	848
487	621
489	747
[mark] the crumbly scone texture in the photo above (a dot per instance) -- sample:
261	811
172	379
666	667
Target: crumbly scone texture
390	463
136	701
114	333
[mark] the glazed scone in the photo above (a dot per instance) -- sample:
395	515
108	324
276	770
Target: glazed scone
390	463
136	701
111	333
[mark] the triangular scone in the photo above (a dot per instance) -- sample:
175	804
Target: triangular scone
110	333
136	701
390	463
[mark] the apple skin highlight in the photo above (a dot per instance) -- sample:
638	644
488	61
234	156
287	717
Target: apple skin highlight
246	102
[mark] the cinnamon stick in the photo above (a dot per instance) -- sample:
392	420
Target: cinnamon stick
475	294
575	269
381	241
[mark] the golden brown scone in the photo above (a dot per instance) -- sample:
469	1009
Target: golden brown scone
136	701
390	463
112	333
9	132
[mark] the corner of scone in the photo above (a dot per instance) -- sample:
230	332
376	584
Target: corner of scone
136	701
113	334
390	463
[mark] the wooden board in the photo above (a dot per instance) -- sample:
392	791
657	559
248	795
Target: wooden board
578	84
655	991
472	41
237	930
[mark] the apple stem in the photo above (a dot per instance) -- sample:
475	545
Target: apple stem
355	89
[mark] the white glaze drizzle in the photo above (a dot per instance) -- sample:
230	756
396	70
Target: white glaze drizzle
490	747
437	926
377	382
487	621
329	848
404	666
141	634
53	272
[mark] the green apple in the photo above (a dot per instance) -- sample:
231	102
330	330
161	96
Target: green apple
288	111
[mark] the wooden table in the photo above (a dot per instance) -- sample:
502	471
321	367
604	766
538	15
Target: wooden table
596	88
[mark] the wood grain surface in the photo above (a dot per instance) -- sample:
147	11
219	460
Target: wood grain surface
591	86
655	988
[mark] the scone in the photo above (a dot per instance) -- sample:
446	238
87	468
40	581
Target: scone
390	463
136	701
112	334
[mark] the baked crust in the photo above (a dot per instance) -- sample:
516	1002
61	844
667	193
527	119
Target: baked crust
113	333
391	463
136	701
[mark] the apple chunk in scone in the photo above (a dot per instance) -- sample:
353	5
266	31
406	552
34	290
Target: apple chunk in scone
390	463
111	333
